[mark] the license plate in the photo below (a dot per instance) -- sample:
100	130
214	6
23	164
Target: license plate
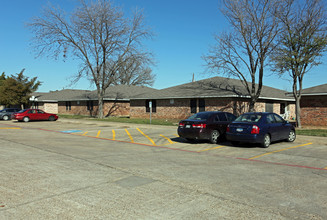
188	126
239	129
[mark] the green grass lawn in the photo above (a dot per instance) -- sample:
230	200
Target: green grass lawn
312	132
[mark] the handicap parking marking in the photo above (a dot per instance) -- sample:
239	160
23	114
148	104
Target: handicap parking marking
71	131
276	151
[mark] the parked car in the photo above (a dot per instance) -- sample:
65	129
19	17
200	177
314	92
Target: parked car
5	114
27	115
260	127
205	126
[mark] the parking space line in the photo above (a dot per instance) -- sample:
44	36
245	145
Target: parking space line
113	134
11	128
168	139
146	136
276	151
129	135
212	148
98	134
84	133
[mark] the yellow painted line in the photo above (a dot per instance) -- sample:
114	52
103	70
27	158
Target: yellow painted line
113	134
84	133
176	135
146	136
211	148
325	168
276	151
10	128
129	135
168	139
98	133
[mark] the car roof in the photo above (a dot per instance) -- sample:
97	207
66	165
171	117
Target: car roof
257	113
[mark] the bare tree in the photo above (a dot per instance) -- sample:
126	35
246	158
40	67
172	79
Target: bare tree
98	34
243	52
134	72
302	43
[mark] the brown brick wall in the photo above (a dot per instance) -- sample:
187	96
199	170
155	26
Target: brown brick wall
80	108
314	110
180	108
51	108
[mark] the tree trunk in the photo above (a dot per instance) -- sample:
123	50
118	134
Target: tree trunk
251	106
298	111
100	104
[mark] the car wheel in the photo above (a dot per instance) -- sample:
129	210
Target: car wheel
266	141
51	118
5	117
26	119
291	136
214	136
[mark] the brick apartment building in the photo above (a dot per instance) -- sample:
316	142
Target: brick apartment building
314	106
213	94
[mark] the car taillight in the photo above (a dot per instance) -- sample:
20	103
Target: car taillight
181	124
227	129
199	125
255	129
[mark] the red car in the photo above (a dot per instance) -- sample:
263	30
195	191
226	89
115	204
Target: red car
27	115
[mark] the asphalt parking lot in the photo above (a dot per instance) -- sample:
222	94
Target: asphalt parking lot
98	170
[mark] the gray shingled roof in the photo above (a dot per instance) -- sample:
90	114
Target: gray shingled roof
213	88
123	92
60	95
118	92
316	90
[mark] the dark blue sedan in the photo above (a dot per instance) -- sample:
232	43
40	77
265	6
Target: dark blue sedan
260	127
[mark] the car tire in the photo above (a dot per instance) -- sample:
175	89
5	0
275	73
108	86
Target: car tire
26	119
52	118
291	136
5	117
266	141
214	136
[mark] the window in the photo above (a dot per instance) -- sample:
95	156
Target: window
282	108
278	119
222	117
68	106
200	116
154	105
193	105
270	119
202	105
230	117
269	107
89	105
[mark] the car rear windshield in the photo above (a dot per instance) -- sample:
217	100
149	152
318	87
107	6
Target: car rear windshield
248	118
200	116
